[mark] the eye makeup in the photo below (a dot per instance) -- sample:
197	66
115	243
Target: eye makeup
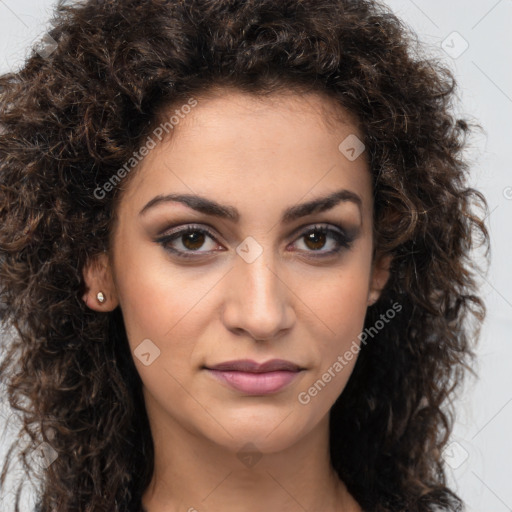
193	237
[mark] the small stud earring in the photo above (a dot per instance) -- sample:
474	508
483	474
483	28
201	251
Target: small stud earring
372	300
101	298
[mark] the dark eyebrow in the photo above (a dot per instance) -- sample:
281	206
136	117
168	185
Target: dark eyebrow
209	207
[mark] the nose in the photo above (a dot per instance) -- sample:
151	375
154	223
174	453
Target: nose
257	301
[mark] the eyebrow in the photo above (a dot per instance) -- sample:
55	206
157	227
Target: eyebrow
210	207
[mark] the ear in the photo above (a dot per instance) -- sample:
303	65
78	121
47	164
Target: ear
98	278
379	277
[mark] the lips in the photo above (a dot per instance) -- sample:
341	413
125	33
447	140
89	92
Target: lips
254	378
246	365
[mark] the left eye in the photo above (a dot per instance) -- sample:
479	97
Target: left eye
192	238
315	238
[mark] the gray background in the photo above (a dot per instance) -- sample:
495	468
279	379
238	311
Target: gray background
475	40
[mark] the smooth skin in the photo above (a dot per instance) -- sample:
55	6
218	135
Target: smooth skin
294	301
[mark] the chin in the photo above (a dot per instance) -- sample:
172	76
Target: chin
268	433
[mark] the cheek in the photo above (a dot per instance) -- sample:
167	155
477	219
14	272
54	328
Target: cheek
344	303
160	307
155	297
341	297
168	306
341	305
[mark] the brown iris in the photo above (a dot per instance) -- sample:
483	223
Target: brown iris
313	237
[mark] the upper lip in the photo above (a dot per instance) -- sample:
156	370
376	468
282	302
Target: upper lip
247	365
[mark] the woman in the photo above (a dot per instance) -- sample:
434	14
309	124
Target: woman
234	257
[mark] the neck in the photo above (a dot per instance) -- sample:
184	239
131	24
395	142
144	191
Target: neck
192	474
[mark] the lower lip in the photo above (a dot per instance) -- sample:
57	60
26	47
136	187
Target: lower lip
256	383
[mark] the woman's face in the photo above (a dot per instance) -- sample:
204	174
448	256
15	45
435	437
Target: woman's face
253	279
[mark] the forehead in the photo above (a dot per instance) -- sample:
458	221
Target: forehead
235	145
232	114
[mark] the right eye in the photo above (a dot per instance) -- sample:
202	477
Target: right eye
190	239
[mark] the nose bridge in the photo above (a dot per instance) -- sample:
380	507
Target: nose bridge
258	297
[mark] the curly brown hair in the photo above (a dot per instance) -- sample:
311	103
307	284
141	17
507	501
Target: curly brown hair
73	116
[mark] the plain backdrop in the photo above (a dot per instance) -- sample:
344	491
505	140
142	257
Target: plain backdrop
474	39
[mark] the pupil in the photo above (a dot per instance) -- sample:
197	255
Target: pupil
193	237
313	237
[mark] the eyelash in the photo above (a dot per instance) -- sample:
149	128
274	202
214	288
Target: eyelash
343	241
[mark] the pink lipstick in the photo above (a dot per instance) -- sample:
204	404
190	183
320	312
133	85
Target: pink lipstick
255	378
